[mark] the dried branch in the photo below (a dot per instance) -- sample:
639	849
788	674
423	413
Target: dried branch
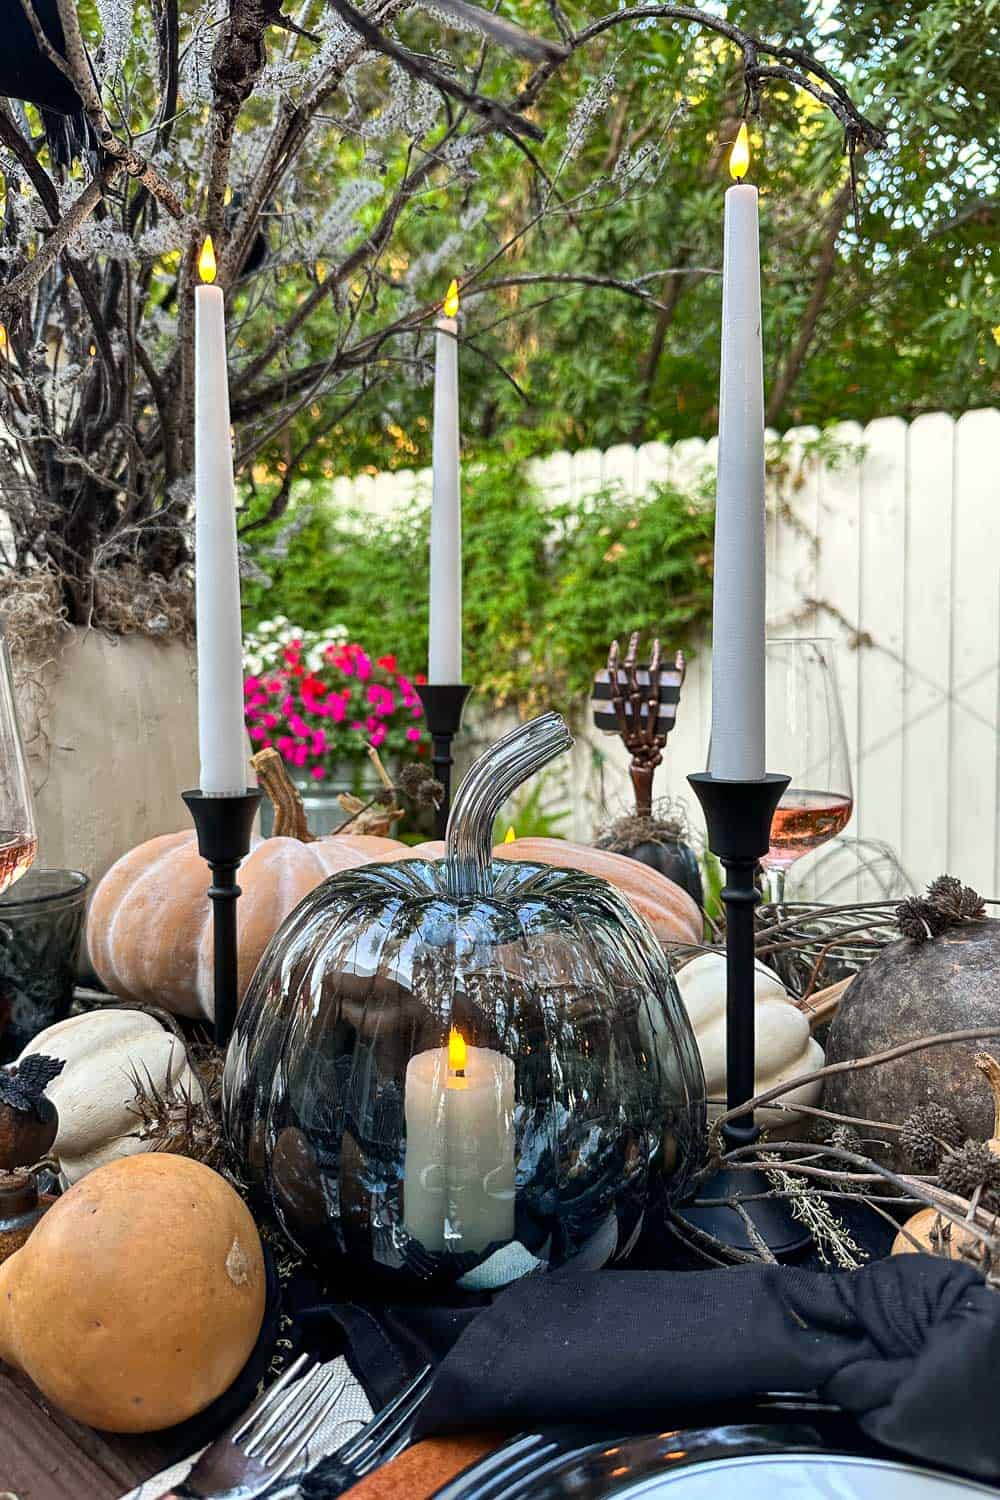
76	67
509	121
19	286
903	1049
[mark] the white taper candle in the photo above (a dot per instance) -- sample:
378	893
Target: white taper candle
445	624
738	611
221	735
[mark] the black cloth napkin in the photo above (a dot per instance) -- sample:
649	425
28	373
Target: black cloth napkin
910	1346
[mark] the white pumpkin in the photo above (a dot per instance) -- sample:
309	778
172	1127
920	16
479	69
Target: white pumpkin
784	1049
104	1052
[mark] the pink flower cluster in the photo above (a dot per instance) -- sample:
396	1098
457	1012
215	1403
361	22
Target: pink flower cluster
317	718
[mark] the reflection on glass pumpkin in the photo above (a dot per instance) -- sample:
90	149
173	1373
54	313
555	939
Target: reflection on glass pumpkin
456	1070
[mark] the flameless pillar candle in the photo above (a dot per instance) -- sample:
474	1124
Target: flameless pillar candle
737	750
445	625
458	1190
221	736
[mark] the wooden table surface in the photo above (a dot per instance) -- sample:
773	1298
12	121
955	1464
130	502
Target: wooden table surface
46	1456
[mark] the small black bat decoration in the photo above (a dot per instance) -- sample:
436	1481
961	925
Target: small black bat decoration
23	1086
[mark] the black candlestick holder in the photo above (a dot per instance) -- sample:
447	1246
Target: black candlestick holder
224	825
444	704
738	815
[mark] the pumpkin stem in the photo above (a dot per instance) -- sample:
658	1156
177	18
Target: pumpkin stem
495	775
989	1065
283	795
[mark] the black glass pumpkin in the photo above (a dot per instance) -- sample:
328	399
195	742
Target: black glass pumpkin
459	1071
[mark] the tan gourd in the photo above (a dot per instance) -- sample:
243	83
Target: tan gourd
669	910
106	1055
139	1297
149	931
934	1234
784	1047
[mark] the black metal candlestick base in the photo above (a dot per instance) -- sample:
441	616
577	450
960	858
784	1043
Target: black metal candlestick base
738	814
443	706
223	825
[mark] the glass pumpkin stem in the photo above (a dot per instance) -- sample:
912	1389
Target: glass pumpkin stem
493	778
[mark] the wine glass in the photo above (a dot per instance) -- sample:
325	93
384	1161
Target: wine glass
805	740
18	839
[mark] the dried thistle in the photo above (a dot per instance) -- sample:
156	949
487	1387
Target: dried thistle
175	1120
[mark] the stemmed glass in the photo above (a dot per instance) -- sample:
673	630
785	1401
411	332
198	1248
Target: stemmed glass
805	739
18	839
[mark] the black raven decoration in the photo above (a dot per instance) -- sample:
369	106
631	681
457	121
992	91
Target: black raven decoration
27	74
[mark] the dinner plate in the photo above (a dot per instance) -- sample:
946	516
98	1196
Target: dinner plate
777	1450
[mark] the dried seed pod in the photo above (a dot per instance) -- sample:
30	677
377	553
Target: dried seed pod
927	1133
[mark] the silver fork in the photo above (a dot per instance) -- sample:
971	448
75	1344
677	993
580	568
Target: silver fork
379	1440
271	1438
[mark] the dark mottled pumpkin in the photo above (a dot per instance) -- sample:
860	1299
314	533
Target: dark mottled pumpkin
676	860
911	990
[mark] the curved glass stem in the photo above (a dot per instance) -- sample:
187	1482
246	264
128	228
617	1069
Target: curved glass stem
775	880
495	775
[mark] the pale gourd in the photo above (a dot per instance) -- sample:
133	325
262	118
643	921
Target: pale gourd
149	930
139	1296
669	910
105	1052
934	1234
784	1046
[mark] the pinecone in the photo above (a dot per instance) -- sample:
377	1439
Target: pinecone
927	1133
969	1167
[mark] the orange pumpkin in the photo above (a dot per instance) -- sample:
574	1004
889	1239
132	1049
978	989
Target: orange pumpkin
149	931
669	910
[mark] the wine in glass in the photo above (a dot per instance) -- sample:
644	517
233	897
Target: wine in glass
18	839
805	739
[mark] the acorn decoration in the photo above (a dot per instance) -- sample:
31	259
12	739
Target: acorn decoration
28	1121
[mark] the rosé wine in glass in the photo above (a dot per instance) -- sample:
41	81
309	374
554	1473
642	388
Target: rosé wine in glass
806	740
802	821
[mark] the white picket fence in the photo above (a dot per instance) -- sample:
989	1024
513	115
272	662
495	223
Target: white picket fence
894	551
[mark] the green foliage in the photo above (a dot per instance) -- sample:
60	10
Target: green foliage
545	588
528	815
903	326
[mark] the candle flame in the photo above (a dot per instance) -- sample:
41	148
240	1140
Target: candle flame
510	835
456	1051
450	304
3	339
206	260
739	157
